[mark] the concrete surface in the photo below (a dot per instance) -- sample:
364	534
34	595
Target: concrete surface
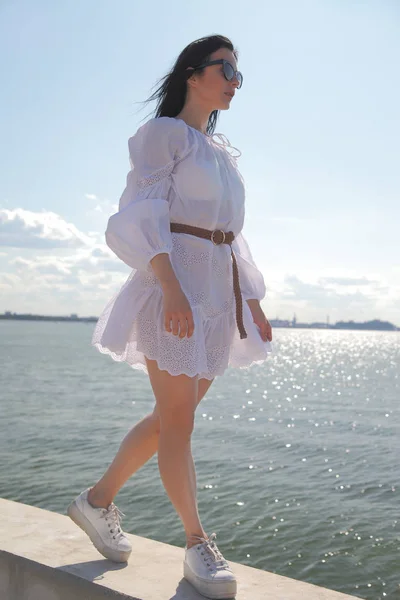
45	556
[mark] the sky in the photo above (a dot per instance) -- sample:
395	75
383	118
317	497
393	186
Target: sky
317	121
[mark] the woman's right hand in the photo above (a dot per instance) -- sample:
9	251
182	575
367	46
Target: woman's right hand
177	311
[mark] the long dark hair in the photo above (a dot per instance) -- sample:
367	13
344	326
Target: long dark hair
171	93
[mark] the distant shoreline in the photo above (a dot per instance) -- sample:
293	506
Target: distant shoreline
48	318
375	325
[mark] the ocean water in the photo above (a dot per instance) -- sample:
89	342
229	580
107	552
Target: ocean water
297	460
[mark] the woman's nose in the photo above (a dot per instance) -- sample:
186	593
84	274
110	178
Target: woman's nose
235	81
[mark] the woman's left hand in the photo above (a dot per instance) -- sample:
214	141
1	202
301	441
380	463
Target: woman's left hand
260	320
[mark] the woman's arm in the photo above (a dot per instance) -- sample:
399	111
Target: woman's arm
163	270
177	308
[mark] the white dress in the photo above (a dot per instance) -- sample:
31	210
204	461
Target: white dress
179	174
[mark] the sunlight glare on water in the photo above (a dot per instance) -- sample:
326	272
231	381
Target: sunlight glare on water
296	460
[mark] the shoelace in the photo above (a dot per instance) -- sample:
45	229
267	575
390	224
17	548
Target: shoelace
222	140
115	515
213	553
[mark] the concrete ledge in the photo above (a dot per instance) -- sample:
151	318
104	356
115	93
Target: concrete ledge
45	556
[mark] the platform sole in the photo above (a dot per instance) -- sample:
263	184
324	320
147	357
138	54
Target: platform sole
79	519
221	590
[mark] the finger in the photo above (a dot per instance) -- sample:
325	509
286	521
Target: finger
175	325
167	323
264	332
190	323
183	326
260	329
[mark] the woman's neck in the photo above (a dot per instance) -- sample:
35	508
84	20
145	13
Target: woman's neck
195	116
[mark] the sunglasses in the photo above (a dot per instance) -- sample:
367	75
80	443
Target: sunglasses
228	70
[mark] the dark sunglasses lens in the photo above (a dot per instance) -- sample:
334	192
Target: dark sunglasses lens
230	73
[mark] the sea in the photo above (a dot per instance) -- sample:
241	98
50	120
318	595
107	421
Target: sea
297	459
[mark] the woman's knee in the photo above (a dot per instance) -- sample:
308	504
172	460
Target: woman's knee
179	420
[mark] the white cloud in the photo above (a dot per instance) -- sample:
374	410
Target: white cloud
314	297
97	259
77	273
8	280
81	282
21	228
50	265
103	206
346	281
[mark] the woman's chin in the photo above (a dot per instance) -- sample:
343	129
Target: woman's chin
224	103
225	106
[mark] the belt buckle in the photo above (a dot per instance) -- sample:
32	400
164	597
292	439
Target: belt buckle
212	237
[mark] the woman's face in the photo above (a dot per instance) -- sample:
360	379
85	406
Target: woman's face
210	87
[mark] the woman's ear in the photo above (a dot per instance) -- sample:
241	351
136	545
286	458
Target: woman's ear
192	79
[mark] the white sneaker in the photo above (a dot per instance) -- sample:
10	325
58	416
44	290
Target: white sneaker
102	525
207	570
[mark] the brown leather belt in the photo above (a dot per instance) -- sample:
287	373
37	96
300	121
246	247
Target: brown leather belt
219	237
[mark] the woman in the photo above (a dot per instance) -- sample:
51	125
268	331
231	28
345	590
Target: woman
180	317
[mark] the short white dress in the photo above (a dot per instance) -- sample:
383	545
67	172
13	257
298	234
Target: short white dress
181	175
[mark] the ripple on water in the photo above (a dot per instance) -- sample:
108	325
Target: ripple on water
296	460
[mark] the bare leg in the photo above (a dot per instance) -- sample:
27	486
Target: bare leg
138	446
176	398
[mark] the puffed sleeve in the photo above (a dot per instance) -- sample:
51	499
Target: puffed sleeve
251	280
141	227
